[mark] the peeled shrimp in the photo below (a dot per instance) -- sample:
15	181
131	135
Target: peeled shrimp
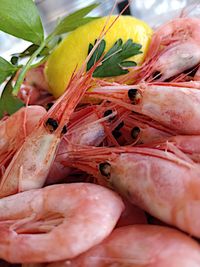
30	165
164	184
140	245
15	128
56	222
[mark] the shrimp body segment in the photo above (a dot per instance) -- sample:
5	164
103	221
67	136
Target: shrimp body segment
56	222
140	245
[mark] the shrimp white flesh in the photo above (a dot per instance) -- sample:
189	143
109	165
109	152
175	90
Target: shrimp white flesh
174	107
15	128
140	246
164	184
56	222
30	165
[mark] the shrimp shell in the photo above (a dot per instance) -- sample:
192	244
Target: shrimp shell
140	246
56	222
163	183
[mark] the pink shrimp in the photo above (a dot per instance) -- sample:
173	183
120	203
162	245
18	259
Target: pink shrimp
174	107
174	49
30	165
164	184
14	130
56	222
140	245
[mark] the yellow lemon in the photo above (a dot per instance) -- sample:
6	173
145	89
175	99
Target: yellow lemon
72	51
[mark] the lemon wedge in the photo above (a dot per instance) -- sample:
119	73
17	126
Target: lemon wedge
72	51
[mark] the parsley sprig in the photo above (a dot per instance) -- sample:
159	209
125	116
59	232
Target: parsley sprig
113	62
21	19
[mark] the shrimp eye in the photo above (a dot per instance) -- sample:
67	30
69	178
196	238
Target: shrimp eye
105	169
107	112
64	130
134	96
49	105
157	75
119	126
51	124
116	134
135	132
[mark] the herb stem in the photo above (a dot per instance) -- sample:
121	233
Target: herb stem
26	67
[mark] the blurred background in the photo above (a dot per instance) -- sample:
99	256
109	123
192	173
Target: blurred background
153	12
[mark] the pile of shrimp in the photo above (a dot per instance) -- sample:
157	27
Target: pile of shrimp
108	176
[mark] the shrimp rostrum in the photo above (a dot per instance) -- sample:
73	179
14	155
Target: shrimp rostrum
163	183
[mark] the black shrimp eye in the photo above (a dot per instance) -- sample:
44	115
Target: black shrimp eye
157	75
105	169
49	105
117	134
134	96
64	130
135	132
119	126
51	124
107	113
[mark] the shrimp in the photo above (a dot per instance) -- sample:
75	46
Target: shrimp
164	184
174	107
15	128
30	165
174	48
56	222
177	49
140	245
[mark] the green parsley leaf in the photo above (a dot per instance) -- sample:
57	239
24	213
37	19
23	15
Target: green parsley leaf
28	52
75	20
113	62
6	69
127	64
21	19
9	104
97	53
